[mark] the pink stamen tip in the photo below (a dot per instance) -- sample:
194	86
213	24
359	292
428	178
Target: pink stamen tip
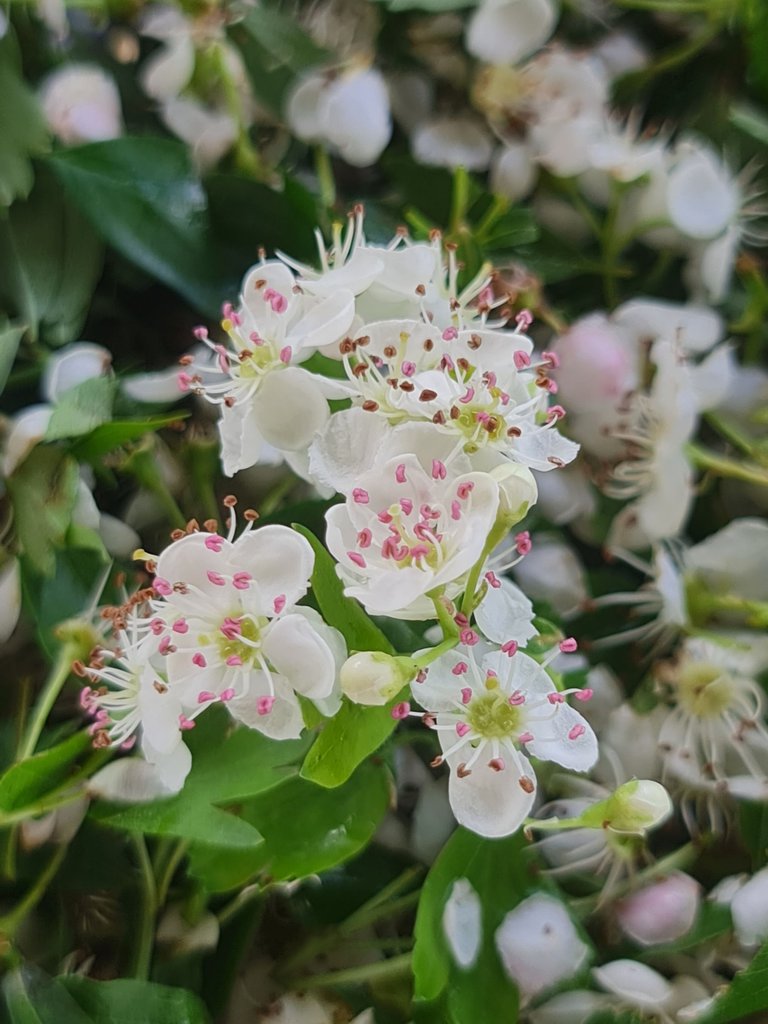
552	387
493	580
199	660
461	620
162	587
184	380
510	647
264	705
285	354
483	417
185	724
384	517
585	694
165	646
523	542
421	675
201	333
279	603
227	309
234	661
450	334
521	359
86	698
460	668
241	580
525	737
524	319
156	626
128	744
180	626
401	710
205	697
462	728
467	397
227	695
400	474
497	764
357	559
408	368
215	578
455	510
466	695
468	637
406	505
419	551
438	470
214	542
552	358
516	699
569	645
555	698
222	358
360	496
364	538
464	490
555	412
576	731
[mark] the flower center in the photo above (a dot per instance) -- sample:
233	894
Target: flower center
704	690
238	638
493	717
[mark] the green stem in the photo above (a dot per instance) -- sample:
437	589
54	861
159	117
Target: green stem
168	870
730	433
59	674
722	465
325	179
142	465
395	967
499	529
459	199
11	921
235	905
146	932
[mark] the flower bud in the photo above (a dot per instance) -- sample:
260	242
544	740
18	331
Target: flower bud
749	908
663	911
636	807
372	677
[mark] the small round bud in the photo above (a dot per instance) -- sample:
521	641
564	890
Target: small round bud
636	807
663	911
372	677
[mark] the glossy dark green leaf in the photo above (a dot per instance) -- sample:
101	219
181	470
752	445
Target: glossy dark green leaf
23	784
126	1001
499	870
31	997
51	259
24	130
183	819
283	39
43	491
10	336
108	436
82	408
144	198
355	732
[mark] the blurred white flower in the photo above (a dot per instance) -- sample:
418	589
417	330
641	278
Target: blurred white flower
508	31
552	572
452	142
81	104
72	365
513	173
463	924
662	911
749	907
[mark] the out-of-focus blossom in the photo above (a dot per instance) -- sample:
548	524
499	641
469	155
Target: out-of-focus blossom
81	104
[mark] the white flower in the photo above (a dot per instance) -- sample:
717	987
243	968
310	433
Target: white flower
733	560
508	31
485	709
81	104
552	572
72	365
566	496
231	630
702	196
513	173
462	923
663	911
539	945
636	985
266	397
452	142
404	532
349	112
505	613
694	328
749	908
208	131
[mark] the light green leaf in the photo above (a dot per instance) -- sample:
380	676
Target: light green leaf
52	260
183	819
283	39
43	490
24	784
82	408
24	130
751	120
108	436
355	732
10	336
126	1001
31	997
747	993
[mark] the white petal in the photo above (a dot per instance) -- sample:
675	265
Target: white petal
463	923
356	118
506	614
634	983
165	73
283	722
452	142
188	560
289	408
127	780
488	802
301	656
242	445
159	715
750	910
27	430
324	322
303	107
552	743
513	172
702	197
574	1007
539	945
536	447
71	366
552	572
508	31
278	558
734	559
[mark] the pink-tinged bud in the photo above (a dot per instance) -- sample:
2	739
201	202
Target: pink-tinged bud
663	911
599	363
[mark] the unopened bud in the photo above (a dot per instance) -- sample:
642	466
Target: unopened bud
373	677
663	911
635	808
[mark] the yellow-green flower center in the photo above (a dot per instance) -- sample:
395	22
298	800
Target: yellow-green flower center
493	717
704	690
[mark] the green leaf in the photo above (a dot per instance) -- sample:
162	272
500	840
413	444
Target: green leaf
52	260
753	821
750	120
24	130
108	436
433	6
747	993
10	336
500	872
82	408
338	610
183	819
126	1001
24	784
31	997
515	227
355	732
144	198
43	491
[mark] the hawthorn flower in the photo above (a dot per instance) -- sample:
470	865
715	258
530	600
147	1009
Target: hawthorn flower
508	31
477	386
266	397
486	708
81	104
452	142
230	630
714	729
404	532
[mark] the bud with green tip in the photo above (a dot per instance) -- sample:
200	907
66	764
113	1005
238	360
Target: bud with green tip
373	677
634	808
